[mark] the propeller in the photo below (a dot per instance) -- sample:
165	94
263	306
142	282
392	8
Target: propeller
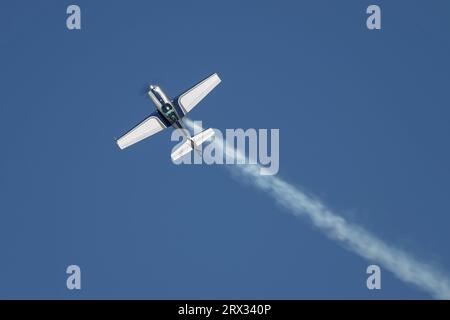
146	87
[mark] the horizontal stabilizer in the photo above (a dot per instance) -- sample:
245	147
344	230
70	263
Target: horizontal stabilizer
203	136
192	143
182	150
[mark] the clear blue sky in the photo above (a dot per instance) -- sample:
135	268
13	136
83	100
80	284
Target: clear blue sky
364	124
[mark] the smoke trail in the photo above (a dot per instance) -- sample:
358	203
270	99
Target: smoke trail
355	238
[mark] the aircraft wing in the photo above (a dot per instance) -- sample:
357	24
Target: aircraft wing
189	99
153	124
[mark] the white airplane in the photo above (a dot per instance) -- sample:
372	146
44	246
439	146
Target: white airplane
169	113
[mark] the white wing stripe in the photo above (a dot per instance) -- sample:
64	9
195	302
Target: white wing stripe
192	97
143	130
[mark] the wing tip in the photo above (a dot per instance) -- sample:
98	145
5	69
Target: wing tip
217	76
120	144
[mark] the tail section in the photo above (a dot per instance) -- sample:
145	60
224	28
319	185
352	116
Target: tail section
185	148
192	143
203	136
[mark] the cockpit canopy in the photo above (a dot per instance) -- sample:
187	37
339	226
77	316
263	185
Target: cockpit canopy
169	112
167	108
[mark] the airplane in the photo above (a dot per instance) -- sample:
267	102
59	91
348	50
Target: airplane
170	113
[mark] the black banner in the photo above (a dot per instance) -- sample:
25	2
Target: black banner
225	309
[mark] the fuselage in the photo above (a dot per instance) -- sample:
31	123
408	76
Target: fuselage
165	106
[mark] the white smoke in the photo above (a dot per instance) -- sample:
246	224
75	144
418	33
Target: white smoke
355	238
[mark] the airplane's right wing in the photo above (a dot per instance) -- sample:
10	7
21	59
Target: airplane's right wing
189	99
153	124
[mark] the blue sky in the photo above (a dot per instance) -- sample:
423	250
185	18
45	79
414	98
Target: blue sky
363	118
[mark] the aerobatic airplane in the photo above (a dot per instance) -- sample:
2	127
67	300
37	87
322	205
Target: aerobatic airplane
170	113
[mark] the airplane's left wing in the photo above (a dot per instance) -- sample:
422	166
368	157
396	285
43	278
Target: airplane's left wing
153	124
189	99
